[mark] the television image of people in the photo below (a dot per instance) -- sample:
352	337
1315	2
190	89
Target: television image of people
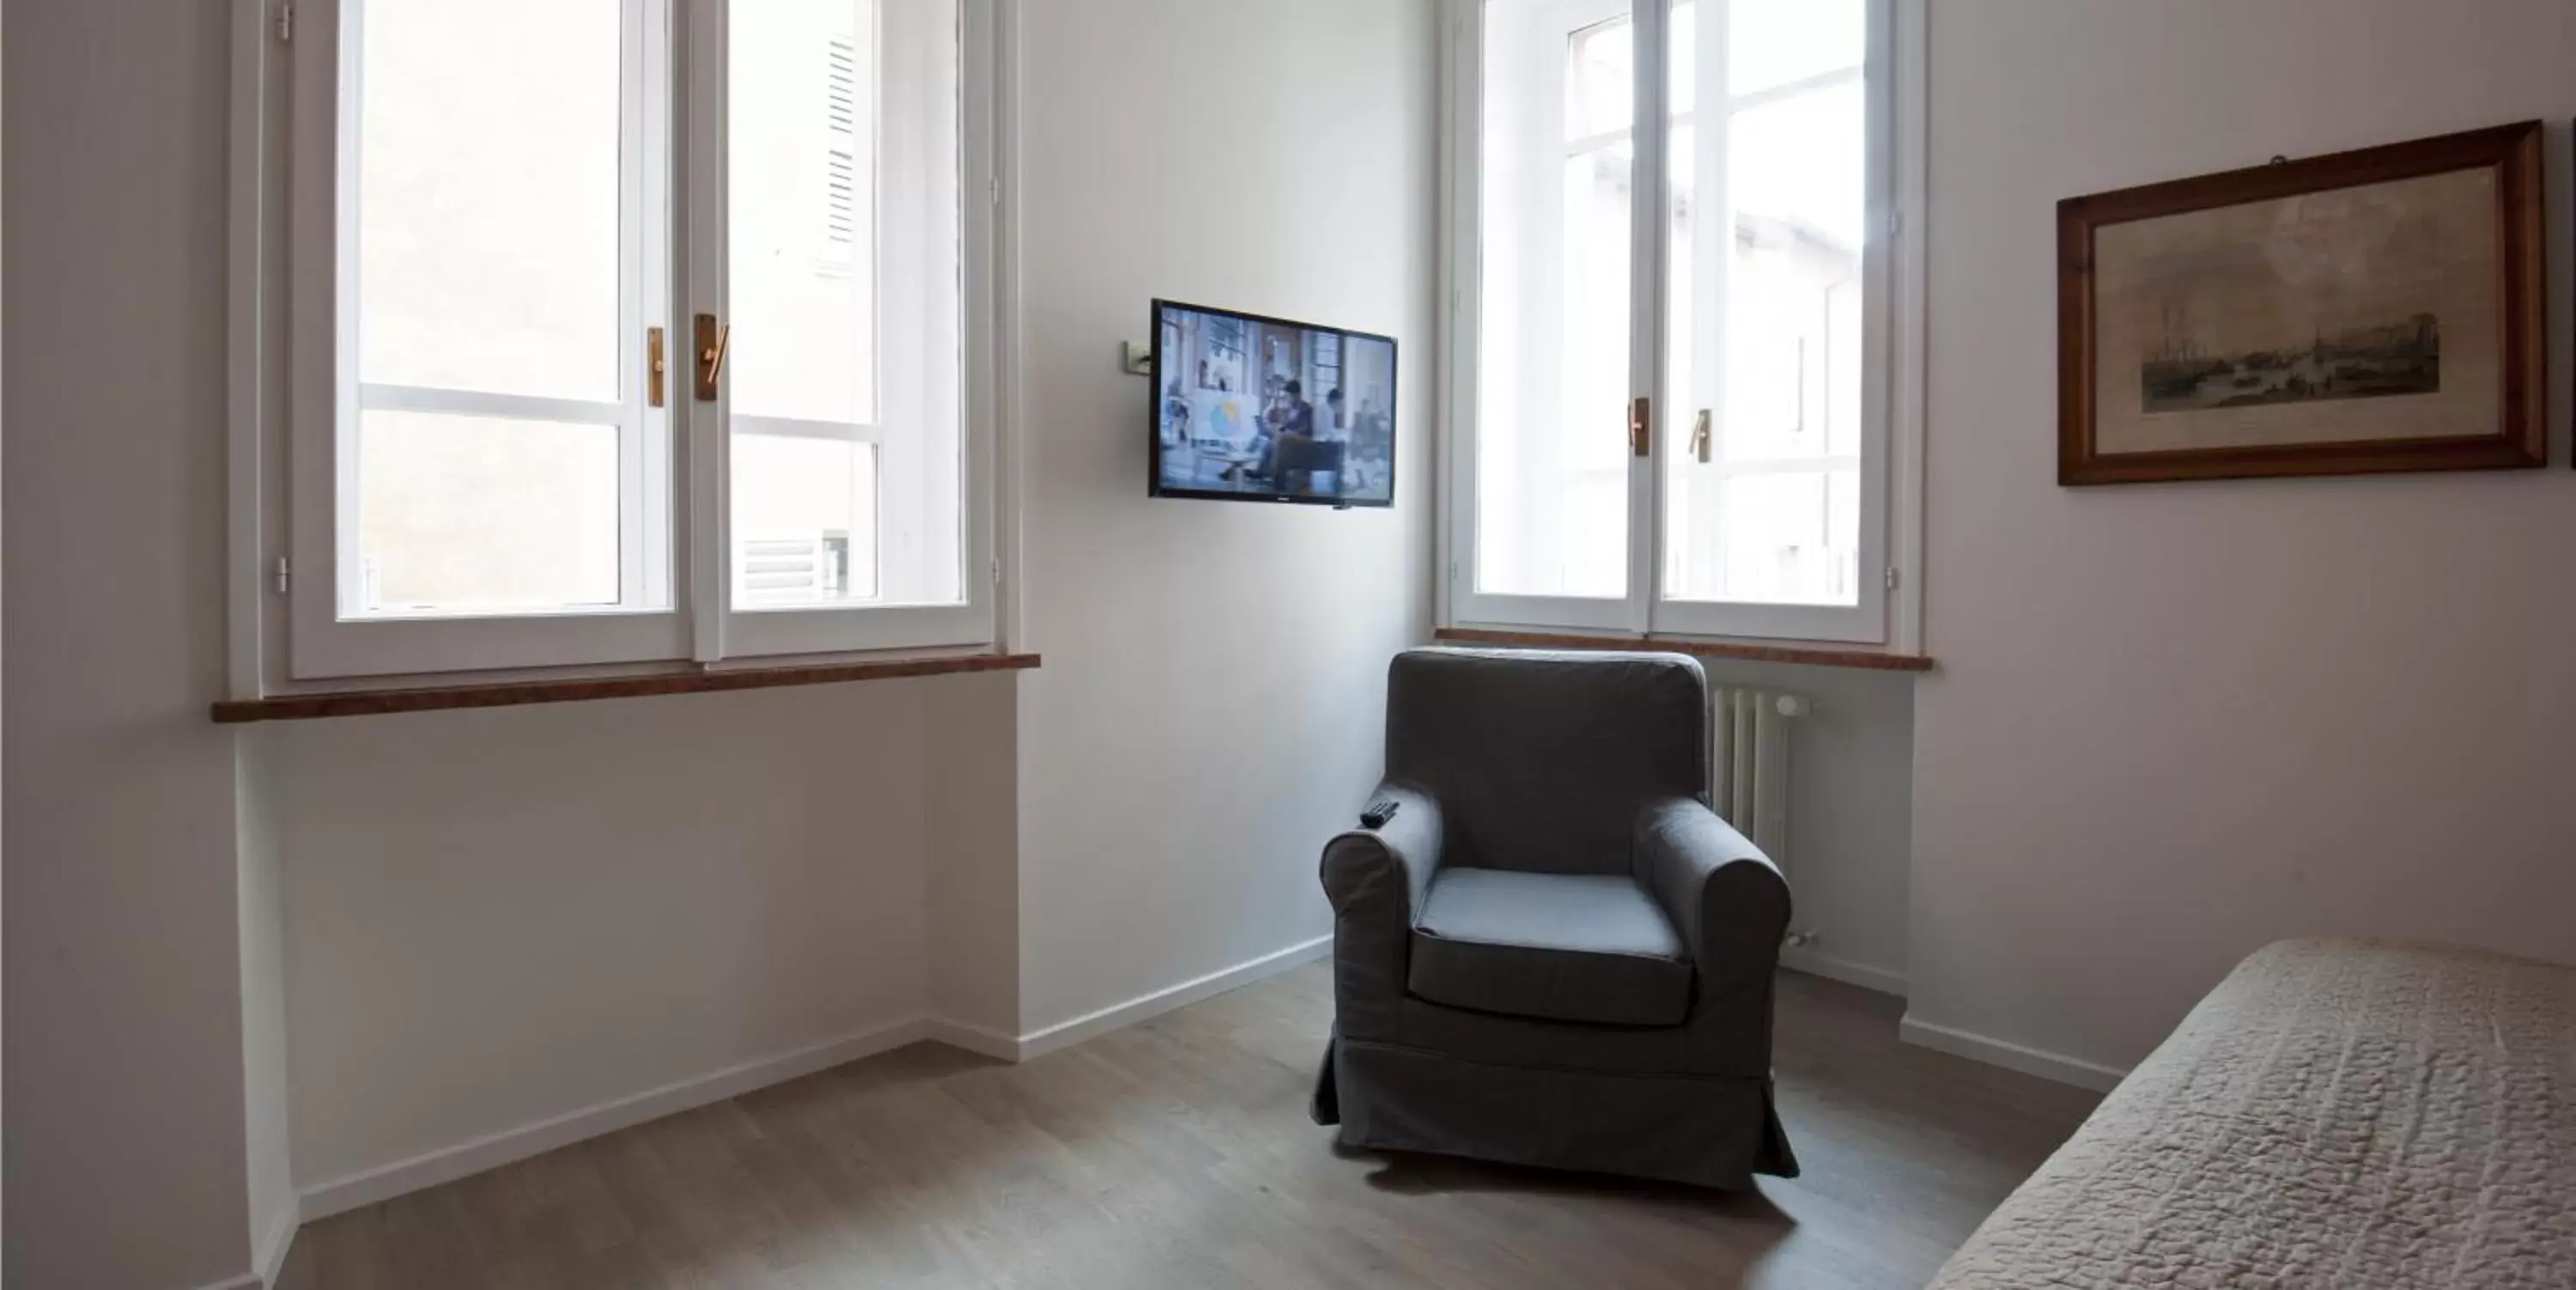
1266	410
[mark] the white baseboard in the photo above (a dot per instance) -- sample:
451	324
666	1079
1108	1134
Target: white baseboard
1876	980
271	1254
494	1150
979	1040
269	1258
2010	1056
1090	1025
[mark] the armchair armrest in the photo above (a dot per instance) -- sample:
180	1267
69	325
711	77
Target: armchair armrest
1726	898
1376	879
1368	870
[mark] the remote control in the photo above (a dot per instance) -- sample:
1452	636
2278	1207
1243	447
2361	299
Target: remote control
1379	812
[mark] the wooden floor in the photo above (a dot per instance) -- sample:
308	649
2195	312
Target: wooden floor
1177	1153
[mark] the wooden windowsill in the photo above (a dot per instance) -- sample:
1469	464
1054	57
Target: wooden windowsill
1803	655
512	694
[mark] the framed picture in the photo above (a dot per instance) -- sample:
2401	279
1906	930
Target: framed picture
2380	310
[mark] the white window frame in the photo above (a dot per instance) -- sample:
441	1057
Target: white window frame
327	395
733	631
1887	614
294	391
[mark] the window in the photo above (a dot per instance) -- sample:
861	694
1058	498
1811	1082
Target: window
1671	374
634	330
844	228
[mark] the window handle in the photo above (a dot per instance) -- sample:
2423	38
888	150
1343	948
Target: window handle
714	339
1704	437
656	365
1641	426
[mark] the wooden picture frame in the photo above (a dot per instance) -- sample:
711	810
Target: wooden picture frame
2369	311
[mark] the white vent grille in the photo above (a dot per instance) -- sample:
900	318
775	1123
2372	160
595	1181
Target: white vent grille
841	160
793	571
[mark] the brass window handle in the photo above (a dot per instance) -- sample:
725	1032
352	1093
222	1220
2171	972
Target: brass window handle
714	340
655	364
1704	437
1641	426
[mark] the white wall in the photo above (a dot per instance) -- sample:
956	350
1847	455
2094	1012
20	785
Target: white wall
124	1061
266	1141
1210	710
971	765
2177	721
494	918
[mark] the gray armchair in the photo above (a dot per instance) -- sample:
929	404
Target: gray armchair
1555	954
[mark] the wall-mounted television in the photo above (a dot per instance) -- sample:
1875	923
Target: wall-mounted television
1255	409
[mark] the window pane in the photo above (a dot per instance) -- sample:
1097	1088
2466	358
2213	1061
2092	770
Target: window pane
1800	165
803	215
1771	43
1774	383
1600	79
488	191
1843	369
806	532
845	277
1554	379
460	514
1787	538
1765	327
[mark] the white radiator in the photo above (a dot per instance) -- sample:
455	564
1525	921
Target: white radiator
1749	763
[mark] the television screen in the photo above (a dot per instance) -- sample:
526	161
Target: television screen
1259	409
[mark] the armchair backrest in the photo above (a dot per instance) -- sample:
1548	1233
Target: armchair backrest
1540	760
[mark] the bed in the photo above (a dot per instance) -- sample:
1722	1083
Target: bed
2337	1113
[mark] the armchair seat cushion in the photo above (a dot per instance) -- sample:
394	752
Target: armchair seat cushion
1560	947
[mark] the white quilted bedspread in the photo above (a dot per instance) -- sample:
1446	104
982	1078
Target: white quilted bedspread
2345	1114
